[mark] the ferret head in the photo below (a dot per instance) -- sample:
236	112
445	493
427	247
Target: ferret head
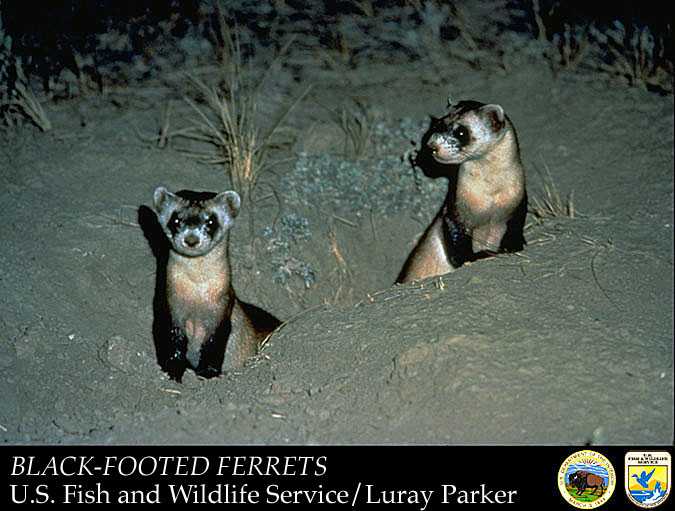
467	132
195	222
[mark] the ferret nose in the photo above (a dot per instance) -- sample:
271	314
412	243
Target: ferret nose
434	143
191	240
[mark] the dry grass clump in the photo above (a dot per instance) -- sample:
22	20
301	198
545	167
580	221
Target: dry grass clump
627	51
357	123
226	117
228	123
16	97
572	45
341	275
551	203
636	55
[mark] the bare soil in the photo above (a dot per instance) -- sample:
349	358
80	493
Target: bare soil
569	342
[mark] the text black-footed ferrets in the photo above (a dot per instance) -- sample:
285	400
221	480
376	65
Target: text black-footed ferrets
210	328
475	146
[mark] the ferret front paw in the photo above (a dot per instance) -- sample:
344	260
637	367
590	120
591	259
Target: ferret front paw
175	367
207	371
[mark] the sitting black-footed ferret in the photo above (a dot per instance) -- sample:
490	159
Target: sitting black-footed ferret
475	146
210	327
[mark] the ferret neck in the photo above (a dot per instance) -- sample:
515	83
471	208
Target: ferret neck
217	260
503	154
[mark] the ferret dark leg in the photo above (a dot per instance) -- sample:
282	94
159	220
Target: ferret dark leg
514	240
212	352
457	242
176	362
208	366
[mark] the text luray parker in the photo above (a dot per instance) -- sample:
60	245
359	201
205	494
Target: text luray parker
152	479
361	494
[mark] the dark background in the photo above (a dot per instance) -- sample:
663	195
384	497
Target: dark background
532	471
52	36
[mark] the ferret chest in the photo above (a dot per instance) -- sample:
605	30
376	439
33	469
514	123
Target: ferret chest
206	293
485	195
197	293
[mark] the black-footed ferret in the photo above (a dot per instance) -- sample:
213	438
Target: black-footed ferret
210	327
475	146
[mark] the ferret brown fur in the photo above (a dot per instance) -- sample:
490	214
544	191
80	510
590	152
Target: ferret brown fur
210	328
476	147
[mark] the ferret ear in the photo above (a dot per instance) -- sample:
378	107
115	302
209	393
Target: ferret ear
163	199
231	201
495	116
435	123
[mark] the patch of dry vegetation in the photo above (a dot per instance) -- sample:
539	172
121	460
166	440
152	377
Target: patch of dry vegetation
550	203
341	275
17	99
627	51
635	55
357	123
226	117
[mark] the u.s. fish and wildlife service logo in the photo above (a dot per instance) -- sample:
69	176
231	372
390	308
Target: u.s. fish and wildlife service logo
586	479
648	477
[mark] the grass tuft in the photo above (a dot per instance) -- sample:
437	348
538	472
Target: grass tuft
228	120
357	123
551	203
16	97
636	55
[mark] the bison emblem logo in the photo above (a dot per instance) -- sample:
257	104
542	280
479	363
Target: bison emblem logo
582	480
586	479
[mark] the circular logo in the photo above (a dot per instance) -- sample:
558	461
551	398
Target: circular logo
586	479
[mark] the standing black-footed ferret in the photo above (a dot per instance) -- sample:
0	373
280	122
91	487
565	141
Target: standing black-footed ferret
210	327
475	146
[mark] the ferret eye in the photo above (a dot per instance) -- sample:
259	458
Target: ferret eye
461	134
211	225
176	221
